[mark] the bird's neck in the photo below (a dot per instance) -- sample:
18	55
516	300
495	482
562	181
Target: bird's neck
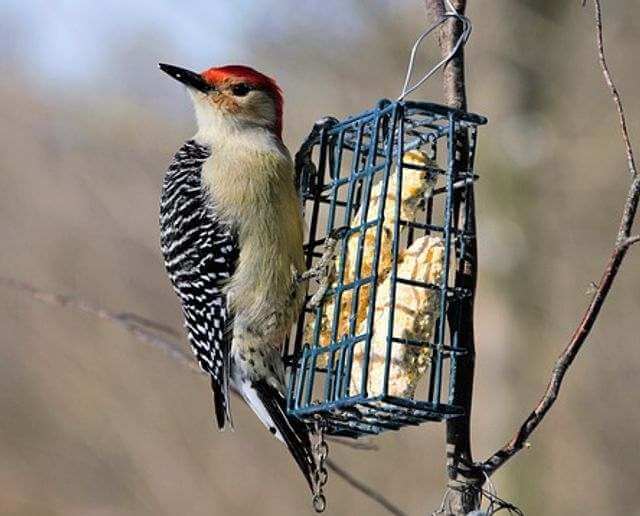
229	138
244	171
216	128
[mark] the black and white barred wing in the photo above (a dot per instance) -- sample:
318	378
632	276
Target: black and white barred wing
200	254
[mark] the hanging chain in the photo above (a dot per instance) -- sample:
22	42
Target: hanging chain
321	449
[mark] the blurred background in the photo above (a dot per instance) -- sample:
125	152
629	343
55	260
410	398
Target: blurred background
94	423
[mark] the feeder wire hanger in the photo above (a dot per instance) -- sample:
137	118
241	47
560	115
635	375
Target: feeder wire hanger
451	13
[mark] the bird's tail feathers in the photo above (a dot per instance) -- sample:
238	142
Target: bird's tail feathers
290	430
221	404
221	398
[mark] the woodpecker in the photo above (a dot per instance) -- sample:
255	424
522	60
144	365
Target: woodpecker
231	235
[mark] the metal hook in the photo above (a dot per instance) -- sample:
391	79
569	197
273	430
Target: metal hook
464	37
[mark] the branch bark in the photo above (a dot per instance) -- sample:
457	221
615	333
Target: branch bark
464	478
623	242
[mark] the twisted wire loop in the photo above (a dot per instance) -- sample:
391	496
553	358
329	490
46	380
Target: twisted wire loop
497	504
450	13
321	449
469	493
489	497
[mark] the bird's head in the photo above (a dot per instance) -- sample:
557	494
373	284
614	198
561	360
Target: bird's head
232	97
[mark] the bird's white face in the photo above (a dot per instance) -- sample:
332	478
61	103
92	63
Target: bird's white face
232	99
234	105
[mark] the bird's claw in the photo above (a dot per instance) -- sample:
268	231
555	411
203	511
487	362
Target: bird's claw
324	269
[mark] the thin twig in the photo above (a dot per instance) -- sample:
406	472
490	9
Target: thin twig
364	489
630	241
148	331
623	243
631	163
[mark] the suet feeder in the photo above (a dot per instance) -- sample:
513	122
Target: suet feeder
376	352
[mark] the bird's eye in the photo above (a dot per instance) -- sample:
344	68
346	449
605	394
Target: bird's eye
240	90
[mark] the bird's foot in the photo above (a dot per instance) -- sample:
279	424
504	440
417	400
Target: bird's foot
324	269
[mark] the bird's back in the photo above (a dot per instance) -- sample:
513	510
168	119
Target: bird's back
199	253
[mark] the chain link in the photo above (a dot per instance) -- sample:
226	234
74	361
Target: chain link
321	450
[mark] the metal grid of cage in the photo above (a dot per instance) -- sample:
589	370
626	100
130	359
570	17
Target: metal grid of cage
346	356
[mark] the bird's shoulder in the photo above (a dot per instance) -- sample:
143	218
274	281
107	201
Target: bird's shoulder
195	241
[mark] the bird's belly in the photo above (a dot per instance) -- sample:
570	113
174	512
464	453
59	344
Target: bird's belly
256	355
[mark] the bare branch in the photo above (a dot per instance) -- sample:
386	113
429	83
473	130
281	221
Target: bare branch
149	331
435	9
612	88
630	241
623	242
453	75
464	478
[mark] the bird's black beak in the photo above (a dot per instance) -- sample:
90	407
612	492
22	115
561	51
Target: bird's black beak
187	77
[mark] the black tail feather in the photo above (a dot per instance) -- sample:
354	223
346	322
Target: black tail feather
293	431
219	403
220	389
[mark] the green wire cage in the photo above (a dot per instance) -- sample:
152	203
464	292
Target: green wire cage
376	353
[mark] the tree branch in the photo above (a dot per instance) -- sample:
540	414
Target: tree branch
464	478
167	340
630	241
631	163
622	245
